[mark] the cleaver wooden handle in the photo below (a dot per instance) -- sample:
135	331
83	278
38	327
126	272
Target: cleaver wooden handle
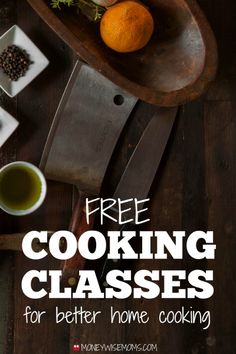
78	225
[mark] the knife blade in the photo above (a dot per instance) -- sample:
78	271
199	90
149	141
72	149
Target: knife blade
85	130
142	166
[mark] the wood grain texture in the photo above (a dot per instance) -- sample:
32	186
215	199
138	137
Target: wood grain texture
7	155
221	195
194	189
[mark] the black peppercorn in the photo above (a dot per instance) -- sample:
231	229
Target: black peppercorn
14	62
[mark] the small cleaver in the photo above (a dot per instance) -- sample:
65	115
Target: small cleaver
85	130
140	171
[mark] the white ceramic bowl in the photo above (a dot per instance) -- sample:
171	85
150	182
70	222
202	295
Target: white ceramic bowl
8	125
17	37
42	196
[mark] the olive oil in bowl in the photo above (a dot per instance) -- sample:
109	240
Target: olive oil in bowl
22	188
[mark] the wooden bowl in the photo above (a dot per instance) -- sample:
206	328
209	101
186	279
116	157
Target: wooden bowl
175	67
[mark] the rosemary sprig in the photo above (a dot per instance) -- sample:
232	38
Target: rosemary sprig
91	10
56	4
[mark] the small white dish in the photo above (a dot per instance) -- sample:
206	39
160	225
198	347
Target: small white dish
8	125
17	37
41	197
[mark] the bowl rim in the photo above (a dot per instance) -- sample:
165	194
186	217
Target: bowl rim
42	196
166	99
12	123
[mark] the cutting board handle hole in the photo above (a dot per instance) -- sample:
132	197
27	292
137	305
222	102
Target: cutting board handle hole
118	100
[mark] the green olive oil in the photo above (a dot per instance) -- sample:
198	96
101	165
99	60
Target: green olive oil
20	187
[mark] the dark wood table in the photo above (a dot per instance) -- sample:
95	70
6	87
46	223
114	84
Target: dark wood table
194	190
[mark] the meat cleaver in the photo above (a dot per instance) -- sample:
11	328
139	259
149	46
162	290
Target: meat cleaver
84	132
140	171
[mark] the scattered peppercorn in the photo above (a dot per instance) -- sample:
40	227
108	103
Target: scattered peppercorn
15	62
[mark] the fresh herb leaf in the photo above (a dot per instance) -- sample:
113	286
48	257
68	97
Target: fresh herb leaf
91	10
56	4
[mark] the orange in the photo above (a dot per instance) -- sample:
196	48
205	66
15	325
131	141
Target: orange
126	26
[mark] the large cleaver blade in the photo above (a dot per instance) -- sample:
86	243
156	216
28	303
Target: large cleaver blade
140	171
85	130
